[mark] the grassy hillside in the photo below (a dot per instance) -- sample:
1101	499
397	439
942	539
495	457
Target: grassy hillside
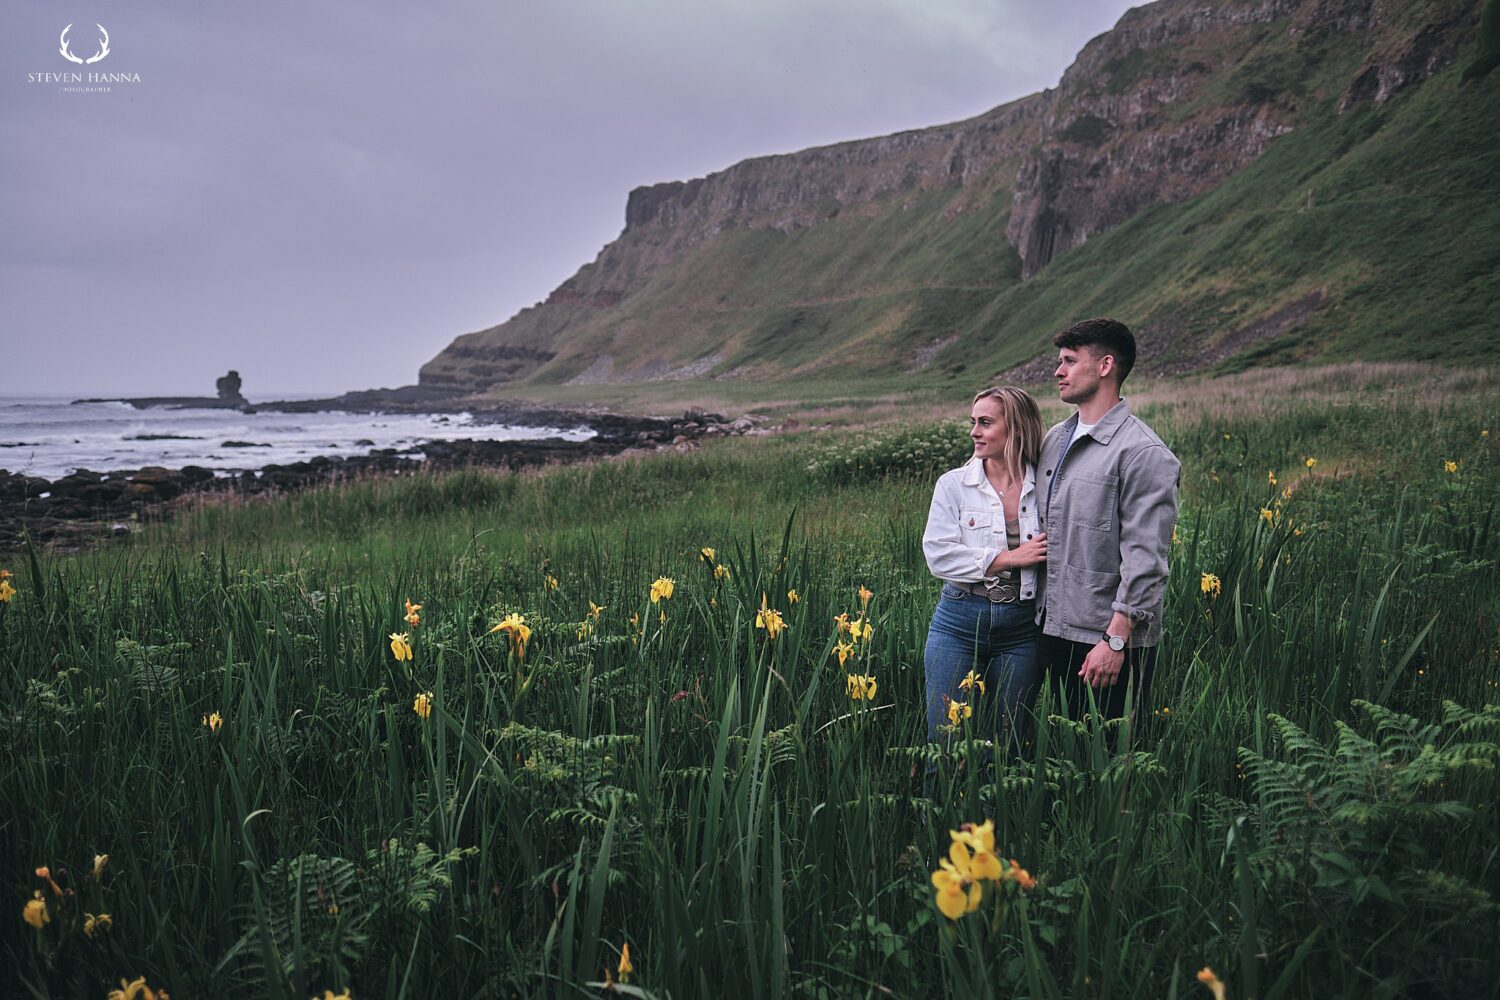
1390	209
1370	234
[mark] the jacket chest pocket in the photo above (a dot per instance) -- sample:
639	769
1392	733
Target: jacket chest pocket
976	525
1093	498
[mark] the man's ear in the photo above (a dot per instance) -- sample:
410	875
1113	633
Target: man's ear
1106	363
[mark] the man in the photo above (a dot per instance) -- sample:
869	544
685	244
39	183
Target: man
1108	489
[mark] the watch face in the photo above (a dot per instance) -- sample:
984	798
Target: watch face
1116	642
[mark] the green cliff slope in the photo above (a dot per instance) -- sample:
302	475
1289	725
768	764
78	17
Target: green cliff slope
1282	189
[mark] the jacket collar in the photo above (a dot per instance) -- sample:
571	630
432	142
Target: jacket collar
974	474
1108	424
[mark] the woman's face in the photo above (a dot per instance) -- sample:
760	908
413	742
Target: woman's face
987	428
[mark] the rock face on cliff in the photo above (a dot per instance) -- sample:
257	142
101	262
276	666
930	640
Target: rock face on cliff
911	248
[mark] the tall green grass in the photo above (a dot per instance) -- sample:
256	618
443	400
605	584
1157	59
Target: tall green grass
670	777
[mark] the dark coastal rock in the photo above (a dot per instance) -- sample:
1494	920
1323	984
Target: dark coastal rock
75	483
163	482
15	486
102	493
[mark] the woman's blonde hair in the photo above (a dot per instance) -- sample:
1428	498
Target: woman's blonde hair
1023	418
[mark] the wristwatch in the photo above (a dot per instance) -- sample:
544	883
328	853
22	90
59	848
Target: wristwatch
1116	642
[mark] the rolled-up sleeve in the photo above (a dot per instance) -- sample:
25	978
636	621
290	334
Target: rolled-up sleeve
1148	512
948	558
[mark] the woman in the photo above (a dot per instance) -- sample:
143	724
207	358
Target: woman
984	541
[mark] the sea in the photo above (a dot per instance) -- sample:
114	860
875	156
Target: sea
52	437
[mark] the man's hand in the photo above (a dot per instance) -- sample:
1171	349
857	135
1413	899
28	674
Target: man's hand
1101	667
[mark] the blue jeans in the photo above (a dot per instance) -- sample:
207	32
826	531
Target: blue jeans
996	641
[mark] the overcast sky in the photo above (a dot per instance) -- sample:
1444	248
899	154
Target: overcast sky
322	194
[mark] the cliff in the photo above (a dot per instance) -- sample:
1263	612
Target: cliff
914	251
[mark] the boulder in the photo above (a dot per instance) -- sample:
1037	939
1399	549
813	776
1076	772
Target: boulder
165	483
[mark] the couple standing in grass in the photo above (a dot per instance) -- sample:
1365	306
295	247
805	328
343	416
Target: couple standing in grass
1052	548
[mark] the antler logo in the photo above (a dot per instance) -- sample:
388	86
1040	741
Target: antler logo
67	53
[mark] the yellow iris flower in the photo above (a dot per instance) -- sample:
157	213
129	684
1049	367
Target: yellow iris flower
958	890
137	990
661	589
412	618
972	859
865	593
1215	985
423	704
100	860
401	646
958	710
93	925
35	913
971	682
843	651
861	687
214	721
625	968
46	874
721	572
1450	466
1210	585
769	619
980	841
1020	876
708	554
6	590
514	625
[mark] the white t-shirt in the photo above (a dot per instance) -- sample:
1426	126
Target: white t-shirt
1081	430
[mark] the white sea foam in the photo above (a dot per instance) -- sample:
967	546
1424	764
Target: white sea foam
51	438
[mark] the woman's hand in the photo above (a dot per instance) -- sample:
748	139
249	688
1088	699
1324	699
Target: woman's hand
1028	553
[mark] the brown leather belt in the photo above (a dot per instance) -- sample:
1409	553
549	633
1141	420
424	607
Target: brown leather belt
995	593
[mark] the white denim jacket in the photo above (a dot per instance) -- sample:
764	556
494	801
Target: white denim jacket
966	526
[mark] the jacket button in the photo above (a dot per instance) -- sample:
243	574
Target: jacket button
1028	536
1023	510
1049	472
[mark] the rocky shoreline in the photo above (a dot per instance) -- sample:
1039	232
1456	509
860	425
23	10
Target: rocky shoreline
87	506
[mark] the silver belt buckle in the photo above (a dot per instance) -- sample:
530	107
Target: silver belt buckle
1001	593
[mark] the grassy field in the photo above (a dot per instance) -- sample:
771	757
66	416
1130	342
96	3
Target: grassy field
288	808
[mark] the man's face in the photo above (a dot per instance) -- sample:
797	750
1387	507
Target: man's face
1079	374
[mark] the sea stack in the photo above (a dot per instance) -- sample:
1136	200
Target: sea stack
229	389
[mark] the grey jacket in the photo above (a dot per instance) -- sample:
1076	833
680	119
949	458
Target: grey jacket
1108	508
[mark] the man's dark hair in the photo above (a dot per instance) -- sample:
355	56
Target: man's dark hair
1106	336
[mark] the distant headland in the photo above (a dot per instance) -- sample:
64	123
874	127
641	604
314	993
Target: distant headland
410	398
